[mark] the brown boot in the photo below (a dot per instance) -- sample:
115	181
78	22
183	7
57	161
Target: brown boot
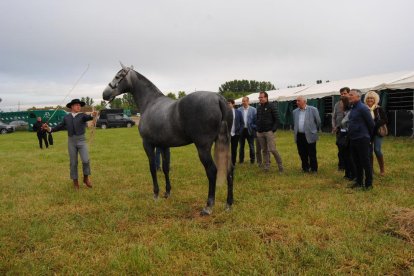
381	164
76	184
87	181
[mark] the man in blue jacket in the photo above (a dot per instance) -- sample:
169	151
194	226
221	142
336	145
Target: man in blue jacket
360	130
75	123
248	129
235	130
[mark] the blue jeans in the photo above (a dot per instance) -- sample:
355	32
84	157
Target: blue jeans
377	145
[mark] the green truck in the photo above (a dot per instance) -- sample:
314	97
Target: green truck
31	116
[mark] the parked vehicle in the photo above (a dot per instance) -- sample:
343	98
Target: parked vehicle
19	125
114	120
5	128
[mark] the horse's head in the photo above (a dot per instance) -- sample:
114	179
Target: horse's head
120	84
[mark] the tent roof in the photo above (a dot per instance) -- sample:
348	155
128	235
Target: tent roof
396	80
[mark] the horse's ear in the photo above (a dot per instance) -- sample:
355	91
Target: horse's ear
132	67
123	66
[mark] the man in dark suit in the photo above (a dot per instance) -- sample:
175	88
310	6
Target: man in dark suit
236	128
75	124
41	133
360	131
306	123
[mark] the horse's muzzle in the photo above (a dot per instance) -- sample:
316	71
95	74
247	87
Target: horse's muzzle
108	94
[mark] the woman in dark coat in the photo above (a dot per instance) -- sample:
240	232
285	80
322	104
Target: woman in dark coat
380	118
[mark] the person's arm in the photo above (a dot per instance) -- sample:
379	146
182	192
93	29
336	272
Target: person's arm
317	118
383	117
369	122
59	127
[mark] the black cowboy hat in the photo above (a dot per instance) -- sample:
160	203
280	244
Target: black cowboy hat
75	101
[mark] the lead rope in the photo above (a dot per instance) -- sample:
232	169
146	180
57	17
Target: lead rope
70	91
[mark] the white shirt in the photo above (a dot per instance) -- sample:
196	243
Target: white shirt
301	126
245	111
233	129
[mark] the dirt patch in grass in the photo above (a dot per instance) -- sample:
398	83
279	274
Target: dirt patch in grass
401	224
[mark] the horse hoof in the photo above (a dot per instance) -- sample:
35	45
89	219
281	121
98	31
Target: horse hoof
166	195
228	208
155	197
206	211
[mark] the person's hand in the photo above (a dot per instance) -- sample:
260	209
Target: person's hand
334	130
46	127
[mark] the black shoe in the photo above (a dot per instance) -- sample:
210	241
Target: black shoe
368	188
355	185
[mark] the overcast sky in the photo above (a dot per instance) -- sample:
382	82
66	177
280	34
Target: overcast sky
194	45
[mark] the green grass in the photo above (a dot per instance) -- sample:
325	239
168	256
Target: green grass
290	223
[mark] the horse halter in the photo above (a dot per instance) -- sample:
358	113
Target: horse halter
123	75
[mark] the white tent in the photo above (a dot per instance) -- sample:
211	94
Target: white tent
396	80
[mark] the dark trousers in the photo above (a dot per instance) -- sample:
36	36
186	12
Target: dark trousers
250	139
42	136
307	153
341	153
360	149
158	157
234	142
350	171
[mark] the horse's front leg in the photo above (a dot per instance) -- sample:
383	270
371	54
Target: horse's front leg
149	150
211	170
165	153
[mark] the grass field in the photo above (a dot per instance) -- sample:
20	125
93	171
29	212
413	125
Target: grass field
290	223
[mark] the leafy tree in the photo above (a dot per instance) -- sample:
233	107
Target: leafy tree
181	94
171	95
128	102
88	101
239	88
116	103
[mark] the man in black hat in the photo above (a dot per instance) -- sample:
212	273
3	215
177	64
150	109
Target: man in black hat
75	124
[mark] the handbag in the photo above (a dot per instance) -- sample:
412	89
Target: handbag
382	130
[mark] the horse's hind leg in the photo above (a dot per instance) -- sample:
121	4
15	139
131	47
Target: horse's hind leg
149	150
230	178
205	157
165	153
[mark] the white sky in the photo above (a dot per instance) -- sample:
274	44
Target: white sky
194	45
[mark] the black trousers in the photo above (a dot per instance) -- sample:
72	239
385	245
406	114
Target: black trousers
360	149
42	136
250	139
234	142
341	152
307	153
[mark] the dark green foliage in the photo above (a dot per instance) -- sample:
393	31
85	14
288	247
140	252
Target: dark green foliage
239	88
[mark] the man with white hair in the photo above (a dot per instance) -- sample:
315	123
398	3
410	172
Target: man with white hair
306	123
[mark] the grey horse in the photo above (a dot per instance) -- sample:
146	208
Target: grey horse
202	118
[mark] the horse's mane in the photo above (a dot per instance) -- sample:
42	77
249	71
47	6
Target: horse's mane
148	83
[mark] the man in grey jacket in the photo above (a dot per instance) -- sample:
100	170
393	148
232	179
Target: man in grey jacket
75	123
306	124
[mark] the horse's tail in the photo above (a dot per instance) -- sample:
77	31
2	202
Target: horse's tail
222	144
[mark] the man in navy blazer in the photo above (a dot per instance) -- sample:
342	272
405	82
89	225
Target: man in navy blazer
235	130
360	130
306	124
248	129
